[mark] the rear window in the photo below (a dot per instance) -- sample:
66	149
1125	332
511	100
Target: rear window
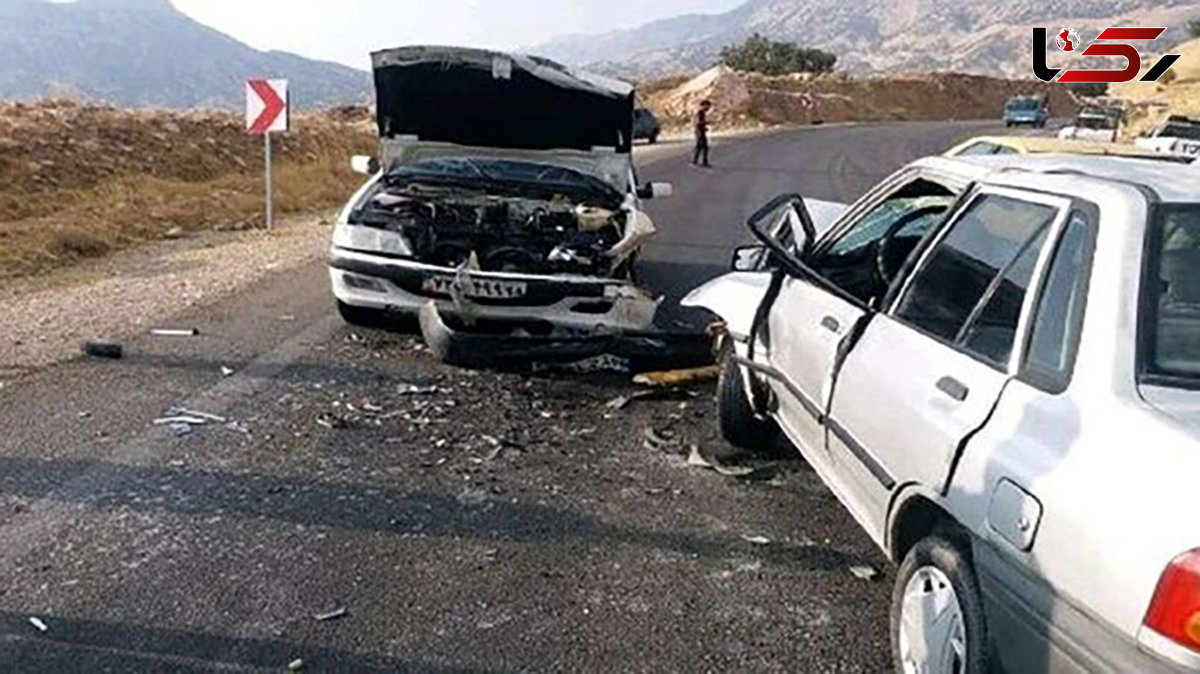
1187	131
1171	306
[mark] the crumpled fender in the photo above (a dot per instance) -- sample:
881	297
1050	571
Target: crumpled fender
735	297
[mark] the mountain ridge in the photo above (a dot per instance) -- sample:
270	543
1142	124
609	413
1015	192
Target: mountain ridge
147	53
988	37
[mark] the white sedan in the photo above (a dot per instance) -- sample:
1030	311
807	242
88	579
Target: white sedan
994	363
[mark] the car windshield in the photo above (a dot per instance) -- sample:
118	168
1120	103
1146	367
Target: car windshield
469	170
1171	319
1175	130
1024	104
1096	122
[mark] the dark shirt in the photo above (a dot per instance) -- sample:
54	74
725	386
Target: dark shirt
702	122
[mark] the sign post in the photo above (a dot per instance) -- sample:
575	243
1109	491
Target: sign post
267	112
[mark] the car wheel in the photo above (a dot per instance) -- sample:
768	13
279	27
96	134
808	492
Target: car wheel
653	139
361	316
938	623
739	425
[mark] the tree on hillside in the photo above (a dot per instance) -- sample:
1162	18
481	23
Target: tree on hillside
769	57
1193	27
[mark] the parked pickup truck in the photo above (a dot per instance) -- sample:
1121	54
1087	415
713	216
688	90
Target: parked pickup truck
1094	124
1177	136
994	363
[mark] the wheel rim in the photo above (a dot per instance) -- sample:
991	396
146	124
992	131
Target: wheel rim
933	637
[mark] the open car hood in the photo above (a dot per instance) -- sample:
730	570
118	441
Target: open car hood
482	98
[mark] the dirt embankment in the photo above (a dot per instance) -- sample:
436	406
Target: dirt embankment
747	100
80	180
1177	93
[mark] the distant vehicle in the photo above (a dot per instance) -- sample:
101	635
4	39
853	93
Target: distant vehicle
994	364
1031	110
1178	136
985	145
483	210
1098	124
646	125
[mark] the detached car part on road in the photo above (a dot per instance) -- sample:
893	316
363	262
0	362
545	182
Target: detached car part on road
505	194
994	363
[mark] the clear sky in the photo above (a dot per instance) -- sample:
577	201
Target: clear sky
347	30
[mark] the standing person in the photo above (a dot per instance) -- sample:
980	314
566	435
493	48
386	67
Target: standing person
700	157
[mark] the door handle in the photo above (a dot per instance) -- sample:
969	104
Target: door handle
953	388
831	324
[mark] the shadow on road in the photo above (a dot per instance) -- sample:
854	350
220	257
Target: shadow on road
350	506
73	645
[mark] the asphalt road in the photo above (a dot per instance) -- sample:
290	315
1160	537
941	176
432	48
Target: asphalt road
493	522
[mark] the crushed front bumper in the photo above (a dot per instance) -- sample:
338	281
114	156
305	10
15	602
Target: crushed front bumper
642	351
402	285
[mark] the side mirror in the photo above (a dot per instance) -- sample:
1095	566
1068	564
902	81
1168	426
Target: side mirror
749	258
361	163
656	190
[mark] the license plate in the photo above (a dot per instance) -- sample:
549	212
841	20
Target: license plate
475	287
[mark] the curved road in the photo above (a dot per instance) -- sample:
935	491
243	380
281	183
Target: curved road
439	520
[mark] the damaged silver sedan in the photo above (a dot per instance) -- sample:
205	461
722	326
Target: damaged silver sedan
505	196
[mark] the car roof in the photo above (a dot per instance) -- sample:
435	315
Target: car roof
1171	182
1046	144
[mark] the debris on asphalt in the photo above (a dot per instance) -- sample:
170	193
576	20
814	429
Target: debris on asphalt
104	349
656	440
199	415
295	665
697	460
694	375
175	332
180	429
621	402
757	540
593	365
226	371
332	422
472	496
867	573
183	419
740	472
39	624
418	389
332	615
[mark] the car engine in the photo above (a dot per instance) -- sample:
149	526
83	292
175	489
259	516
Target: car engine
446	226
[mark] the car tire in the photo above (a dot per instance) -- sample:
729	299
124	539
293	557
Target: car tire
740	426
939	566
653	139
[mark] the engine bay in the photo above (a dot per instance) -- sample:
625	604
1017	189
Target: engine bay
500	232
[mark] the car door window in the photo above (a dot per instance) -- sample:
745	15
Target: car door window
862	259
1058	318
970	290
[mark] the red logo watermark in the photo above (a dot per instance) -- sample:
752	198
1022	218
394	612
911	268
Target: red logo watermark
1112	42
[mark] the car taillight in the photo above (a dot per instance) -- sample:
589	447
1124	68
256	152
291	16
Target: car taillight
1175	610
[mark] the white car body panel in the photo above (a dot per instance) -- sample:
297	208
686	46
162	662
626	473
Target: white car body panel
1106	471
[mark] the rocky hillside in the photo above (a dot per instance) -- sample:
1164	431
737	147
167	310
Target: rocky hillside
742	100
1178	93
147	53
887	36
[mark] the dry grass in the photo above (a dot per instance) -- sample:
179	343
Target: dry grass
80	181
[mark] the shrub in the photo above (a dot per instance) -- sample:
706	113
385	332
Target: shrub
769	57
